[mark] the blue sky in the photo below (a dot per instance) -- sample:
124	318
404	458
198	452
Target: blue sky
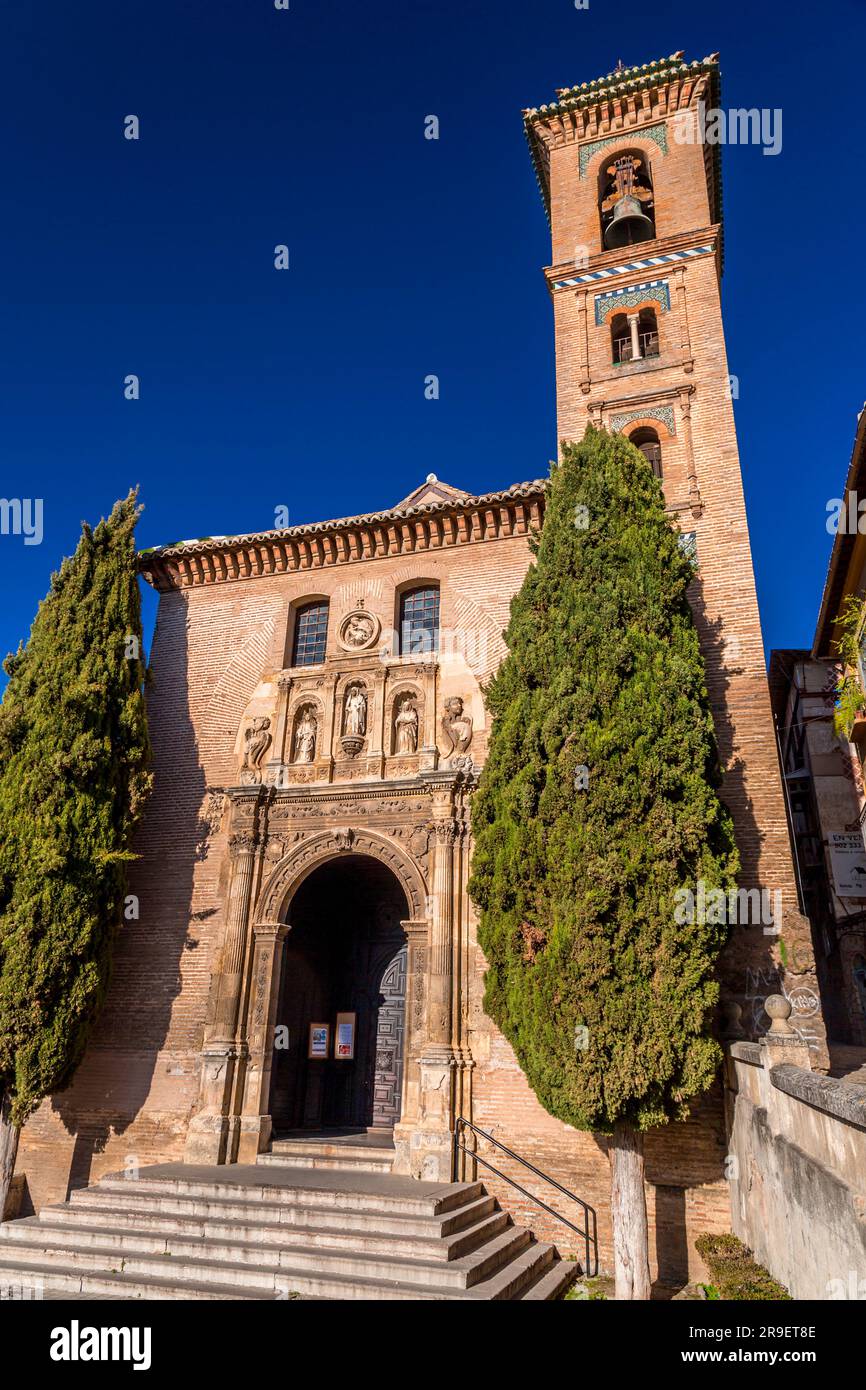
305	388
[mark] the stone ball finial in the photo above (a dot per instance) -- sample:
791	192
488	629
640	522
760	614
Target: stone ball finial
779	1010
732	1020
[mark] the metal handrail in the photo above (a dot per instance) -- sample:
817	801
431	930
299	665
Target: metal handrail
588	1232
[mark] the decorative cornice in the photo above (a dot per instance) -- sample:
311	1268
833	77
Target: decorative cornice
364	794
516	511
642	401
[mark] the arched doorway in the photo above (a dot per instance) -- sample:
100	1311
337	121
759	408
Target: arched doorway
345	953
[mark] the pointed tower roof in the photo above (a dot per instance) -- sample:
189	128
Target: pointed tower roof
431	490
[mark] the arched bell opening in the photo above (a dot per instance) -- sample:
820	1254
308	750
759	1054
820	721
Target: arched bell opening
626	202
341	1010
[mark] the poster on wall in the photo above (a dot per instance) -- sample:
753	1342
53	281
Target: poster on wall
848	862
344	1048
320	1037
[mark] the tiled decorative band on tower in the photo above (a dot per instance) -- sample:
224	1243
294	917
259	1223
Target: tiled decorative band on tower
649	264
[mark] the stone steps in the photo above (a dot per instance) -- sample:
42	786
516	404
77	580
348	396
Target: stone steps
249	1265
57	1283
244	1241
273	1233
329	1156
235	1184
516	1280
266	1222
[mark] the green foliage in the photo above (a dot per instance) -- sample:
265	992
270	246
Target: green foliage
73	750
736	1274
603	995
850	697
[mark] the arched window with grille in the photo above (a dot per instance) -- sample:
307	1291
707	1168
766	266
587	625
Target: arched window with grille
419	620
647	441
311	633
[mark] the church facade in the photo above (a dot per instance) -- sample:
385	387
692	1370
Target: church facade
304	955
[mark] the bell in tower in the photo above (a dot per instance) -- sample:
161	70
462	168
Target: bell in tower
627	201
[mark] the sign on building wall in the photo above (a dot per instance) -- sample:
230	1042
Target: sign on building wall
320	1040
344	1047
848	862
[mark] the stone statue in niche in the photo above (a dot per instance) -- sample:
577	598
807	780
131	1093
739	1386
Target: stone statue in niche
305	736
256	742
456	726
355	722
406	726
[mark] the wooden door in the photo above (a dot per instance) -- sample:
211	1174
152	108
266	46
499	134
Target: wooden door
390	1029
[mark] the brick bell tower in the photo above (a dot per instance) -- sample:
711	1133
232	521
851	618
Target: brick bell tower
633	197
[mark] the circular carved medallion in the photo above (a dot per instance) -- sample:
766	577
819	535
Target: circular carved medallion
358	631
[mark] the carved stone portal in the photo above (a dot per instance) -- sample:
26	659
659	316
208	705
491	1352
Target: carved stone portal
289	834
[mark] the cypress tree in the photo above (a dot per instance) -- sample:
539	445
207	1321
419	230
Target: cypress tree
596	814
73	751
